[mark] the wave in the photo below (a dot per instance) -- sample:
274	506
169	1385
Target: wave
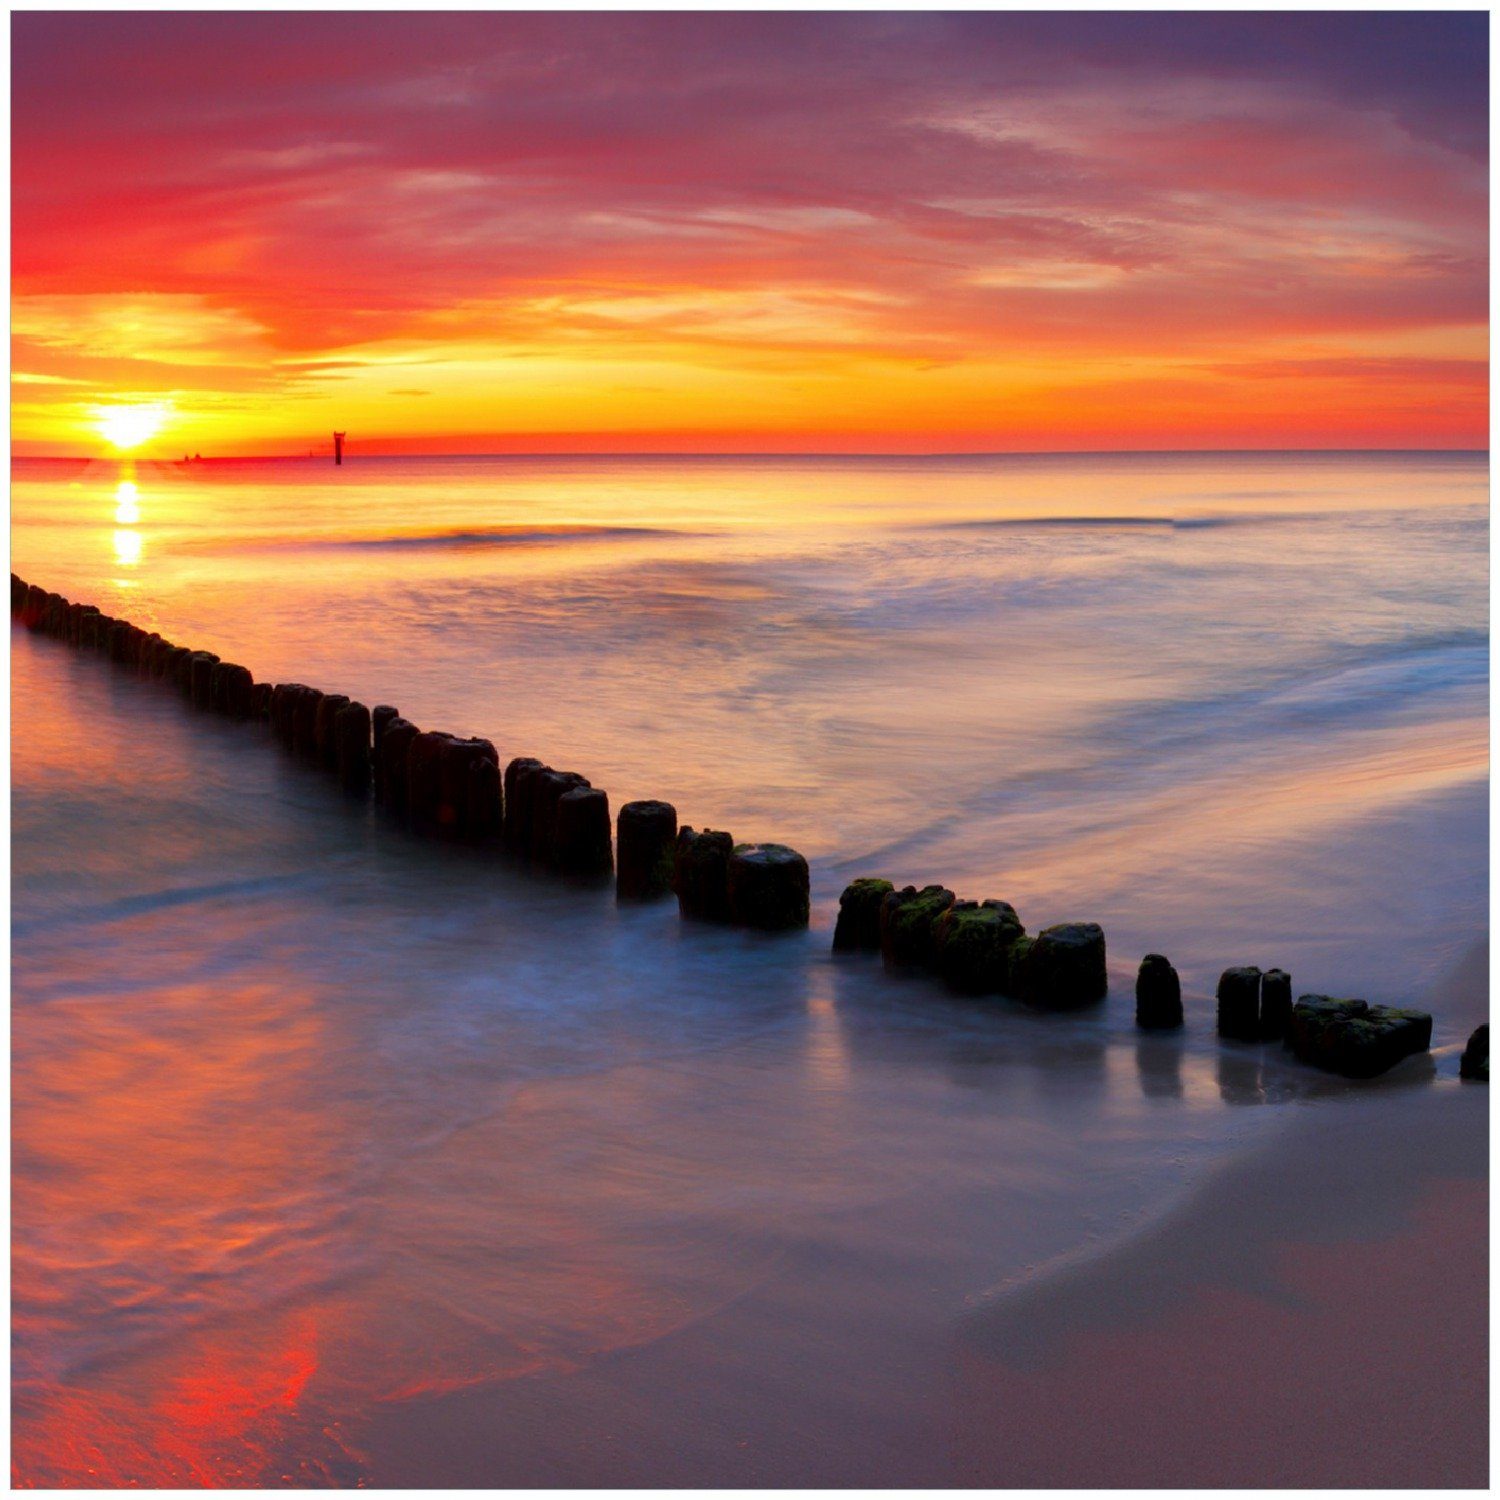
460	538
150	902
1122	523
1153	743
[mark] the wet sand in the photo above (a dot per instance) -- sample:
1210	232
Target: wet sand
1315	1315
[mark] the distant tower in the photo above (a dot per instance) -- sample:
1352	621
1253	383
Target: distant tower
338	447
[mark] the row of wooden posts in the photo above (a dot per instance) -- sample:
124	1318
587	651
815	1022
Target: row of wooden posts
981	948
453	787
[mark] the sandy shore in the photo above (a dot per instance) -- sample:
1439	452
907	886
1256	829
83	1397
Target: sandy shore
1314	1315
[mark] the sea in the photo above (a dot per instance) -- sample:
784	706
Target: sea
325	1135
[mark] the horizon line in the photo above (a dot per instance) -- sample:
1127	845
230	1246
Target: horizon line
739	455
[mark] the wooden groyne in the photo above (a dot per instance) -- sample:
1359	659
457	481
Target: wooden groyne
452	787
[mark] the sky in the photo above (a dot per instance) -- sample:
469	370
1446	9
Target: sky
467	232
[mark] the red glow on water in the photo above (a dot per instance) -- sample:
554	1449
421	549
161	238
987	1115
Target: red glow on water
219	1412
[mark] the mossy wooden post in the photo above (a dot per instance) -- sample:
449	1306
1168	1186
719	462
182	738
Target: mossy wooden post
1353	1038
908	919
1064	967
1158	995
972	946
858	925
645	840
700	874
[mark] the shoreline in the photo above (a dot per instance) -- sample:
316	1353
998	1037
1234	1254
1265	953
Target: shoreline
1280	1324
1287	1317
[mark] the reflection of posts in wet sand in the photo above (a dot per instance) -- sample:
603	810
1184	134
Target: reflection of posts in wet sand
1052	1070
827	1056
1158	1060
1241	1075
829	1065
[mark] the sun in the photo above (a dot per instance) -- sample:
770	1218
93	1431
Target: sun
127	427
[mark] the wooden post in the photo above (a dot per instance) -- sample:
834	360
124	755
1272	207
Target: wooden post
338	447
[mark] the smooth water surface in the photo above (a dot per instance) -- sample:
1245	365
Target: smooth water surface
315	1123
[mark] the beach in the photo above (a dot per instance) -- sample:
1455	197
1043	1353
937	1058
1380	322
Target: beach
347	1157
1314	1314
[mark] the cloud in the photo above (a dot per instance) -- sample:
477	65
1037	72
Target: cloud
312	196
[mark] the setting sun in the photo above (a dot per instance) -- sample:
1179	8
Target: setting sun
126	427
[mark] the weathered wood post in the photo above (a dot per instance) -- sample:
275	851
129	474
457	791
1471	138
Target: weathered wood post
1238	999
972	945
1064	966
547	788
396	741
858	926
767	886
646	835
518	801
582	837
1158	995
1275	1003
338	447
700	874
908	919
351	738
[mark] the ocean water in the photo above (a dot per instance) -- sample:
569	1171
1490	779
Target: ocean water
320	1131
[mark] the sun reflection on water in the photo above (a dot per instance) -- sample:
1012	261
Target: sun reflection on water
127	503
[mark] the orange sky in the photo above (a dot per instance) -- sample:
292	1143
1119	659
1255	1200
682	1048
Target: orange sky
748	232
